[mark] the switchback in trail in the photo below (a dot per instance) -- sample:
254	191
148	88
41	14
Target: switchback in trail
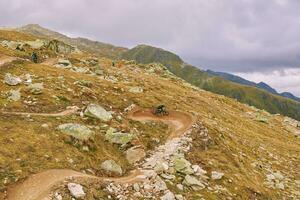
38	186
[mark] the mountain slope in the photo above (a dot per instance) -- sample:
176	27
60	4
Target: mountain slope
260	85
231	151
93	47
245	94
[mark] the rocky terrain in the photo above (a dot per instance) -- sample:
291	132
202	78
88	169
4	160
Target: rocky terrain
78	126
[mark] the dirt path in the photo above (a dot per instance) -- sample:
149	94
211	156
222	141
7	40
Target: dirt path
38	186
69	111
6	59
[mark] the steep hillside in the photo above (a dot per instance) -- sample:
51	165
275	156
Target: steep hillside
93	47
85	128
197	77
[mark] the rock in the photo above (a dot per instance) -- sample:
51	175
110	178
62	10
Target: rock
179	186
83	70
198	170
36	44
36	88
262	119
57	196
192	181
27	79
161	167
278	175
216	175
118	137
78	131
291	122
135	154
97	112
279	185
45	126
12	80
14	95
182	165
76	190
63	63
60	47
168	196
111	166
99	71
84	83
136	90
179	197
136	187
168	176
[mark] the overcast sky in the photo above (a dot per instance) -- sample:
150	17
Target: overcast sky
252	38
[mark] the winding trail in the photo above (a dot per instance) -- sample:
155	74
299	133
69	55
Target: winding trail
6	59
38	186
69	111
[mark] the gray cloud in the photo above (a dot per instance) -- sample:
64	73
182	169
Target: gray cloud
232	35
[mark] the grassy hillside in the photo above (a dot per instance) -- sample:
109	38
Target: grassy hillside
227	138
245	94
93	47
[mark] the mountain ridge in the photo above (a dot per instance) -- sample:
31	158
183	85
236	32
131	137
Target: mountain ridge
94	47
261	85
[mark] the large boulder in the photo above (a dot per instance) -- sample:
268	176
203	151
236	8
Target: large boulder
135	154
112	167
12	80
118	137
36	44
76	190
78	131
36	88
182	165
97	112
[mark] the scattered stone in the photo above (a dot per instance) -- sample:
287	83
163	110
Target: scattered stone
76	190
135	154
182	165
136	187
192	181
168	196
63	63
111	166
78	131
57	196
179	186
161	167
36	88
179	197
45	126
261	118
14	95
216	175
118	137
136	90
84	83
98	112
12	80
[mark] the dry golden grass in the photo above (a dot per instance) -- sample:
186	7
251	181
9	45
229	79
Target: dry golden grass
236	140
